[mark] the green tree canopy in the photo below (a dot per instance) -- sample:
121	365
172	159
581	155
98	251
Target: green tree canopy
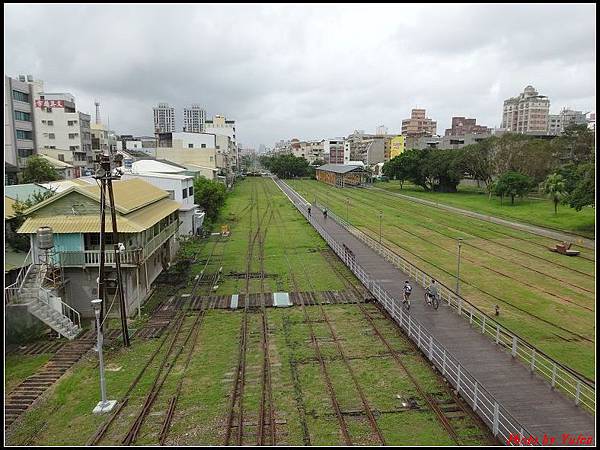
286	166
554	187
210	195
512	184
39	170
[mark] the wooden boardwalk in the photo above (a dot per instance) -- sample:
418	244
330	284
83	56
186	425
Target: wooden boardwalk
528	398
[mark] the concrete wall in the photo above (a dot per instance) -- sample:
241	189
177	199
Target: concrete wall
20	326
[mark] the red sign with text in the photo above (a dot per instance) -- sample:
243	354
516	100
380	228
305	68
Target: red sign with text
49	103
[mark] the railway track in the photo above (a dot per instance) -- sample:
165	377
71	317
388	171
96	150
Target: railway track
442	415
177	342
336	406
374	233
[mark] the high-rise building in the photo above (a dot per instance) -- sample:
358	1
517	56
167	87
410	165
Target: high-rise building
418	124
19	120
381	130
164	118
62	132
526	113
558	122
193	119
591	121
462	126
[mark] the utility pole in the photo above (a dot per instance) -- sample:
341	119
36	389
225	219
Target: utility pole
105	175
380	217
458	268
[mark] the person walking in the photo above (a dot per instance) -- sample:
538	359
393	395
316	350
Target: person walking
325	213
308	210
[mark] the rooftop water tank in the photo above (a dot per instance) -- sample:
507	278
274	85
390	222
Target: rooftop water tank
45	238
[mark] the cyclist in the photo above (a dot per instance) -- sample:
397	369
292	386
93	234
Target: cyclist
407	290
432	291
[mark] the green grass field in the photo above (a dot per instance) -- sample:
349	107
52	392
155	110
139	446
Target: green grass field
535	211
293	255
545	297
18	367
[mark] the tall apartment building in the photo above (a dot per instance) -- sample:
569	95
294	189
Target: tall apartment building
164	118
418	124
62	132
591	121
193	119
335	152
526	113
462	125
19	120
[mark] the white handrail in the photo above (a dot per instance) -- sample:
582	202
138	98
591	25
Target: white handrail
500	421
45	296
566	380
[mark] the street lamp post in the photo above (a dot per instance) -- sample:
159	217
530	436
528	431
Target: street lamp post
103	405
380	217
458	268
347	209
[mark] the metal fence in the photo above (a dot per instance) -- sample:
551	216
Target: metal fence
503	425
560	377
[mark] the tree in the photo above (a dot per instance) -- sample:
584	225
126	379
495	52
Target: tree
210	195
554	187
21	241
583	192
287	166
39	170
512	184
477	161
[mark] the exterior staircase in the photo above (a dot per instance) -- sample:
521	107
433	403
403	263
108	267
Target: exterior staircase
42	303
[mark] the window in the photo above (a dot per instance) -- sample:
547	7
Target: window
51	136
171	194
21	96
71	122
61	157
21	134
203	146
191	190
20	115
211	158
184	193
190	145
73	135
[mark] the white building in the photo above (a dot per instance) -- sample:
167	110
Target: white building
180	188
187	140
221	126
164	118
193	119
62	132
591	121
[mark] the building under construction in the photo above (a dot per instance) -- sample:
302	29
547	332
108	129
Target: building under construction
341	175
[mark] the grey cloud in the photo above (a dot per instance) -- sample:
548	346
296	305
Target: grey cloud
305	70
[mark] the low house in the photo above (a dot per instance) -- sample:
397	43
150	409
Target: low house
147	221
341	175
65	170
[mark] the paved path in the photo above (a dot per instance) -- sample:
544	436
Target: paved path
528	398
545	232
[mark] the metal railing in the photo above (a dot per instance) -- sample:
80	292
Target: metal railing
503	425
56	303
560	377
11	291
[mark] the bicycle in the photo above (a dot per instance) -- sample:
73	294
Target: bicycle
406	302
432	300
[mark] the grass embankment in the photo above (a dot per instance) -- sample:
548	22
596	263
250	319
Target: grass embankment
64	416
535	211
545	297
18	367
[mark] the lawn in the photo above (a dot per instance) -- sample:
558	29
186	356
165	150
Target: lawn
545	297
18	367
536	211
303	408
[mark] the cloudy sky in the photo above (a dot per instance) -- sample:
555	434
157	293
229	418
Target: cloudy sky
306	71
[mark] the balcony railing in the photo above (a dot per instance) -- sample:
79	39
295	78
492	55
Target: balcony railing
128	257
92	258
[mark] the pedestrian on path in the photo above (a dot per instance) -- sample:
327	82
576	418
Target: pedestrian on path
325	213
308	210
